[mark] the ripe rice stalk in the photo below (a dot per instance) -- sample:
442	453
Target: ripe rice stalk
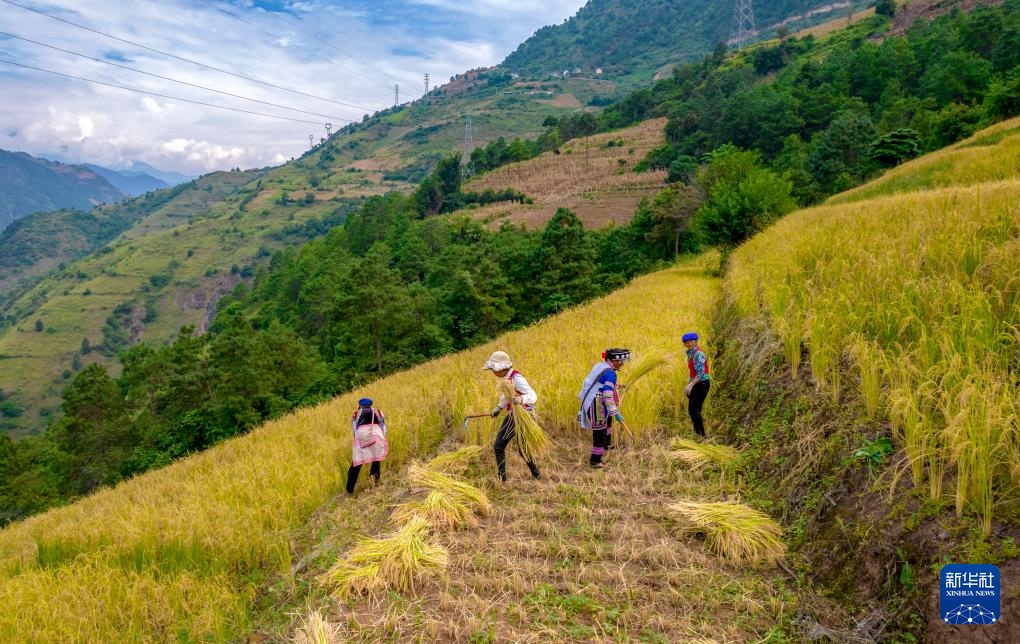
455	462
441	510
733	531
317	629
398	562
870	361
645	366
422	477
699	454
529	435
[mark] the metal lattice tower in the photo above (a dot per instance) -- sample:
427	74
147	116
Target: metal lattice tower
742	30
311	141
329	129
469	135
426	85
469	144
396	95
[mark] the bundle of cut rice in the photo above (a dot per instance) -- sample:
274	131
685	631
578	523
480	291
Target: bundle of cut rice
531	438
699	454
422	477
733	531
441	510
455	462
398	562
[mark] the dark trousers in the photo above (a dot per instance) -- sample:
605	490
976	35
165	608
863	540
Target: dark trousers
507	431
599	444
352	474
695	403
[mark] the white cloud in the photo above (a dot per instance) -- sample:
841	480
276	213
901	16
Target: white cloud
109	126
151	105
86	127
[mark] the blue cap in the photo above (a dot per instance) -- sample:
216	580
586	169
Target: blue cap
690	336
365	402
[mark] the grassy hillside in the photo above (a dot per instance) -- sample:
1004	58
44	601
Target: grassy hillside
183	550
39	243
873	348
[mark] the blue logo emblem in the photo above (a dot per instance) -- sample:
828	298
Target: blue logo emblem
970	594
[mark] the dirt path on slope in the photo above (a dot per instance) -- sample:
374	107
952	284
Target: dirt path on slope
578	555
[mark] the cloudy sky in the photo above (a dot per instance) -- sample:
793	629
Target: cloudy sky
339	58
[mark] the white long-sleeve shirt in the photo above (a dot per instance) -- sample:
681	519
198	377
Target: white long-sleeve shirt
523	389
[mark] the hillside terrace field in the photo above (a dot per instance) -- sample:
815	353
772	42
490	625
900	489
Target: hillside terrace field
592	176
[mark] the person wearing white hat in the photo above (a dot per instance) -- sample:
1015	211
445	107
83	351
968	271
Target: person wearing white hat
501	366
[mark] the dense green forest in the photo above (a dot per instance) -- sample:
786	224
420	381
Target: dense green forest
830	114
749	136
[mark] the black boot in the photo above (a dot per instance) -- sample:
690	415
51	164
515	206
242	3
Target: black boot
534	470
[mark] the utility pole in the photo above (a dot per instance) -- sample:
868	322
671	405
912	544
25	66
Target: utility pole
742	29
396	95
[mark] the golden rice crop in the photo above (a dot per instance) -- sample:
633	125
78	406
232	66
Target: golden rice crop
920	294
733	531
218	522
422	477
699	454
441	510
398	562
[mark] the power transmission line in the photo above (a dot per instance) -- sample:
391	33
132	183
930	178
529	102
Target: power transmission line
186	60
145	91
279	37
173	80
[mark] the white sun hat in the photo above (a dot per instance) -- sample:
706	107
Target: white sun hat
498	361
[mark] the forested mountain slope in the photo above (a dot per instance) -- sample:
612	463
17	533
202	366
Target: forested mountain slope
39	243
28	184
633	38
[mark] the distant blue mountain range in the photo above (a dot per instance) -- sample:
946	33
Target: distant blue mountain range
131	183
